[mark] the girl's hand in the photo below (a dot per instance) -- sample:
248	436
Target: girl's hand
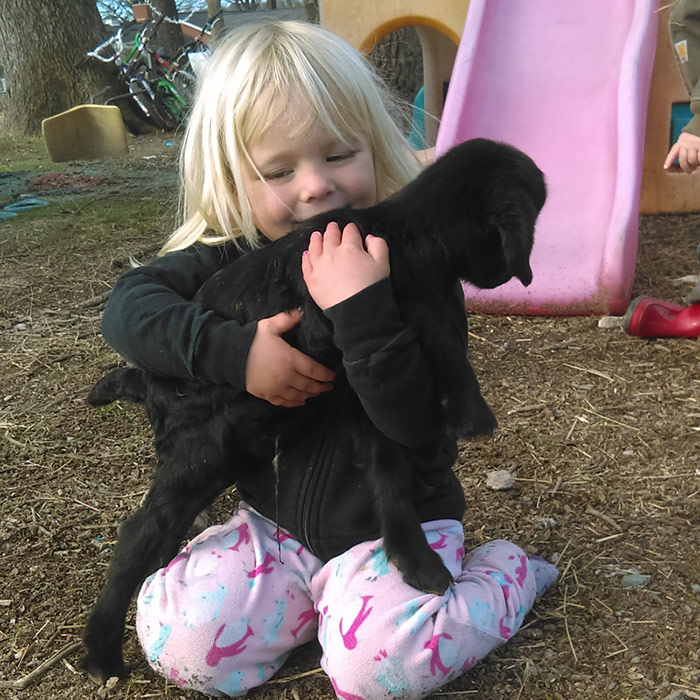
335	267
279	373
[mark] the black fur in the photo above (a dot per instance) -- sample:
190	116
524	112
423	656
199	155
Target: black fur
471	215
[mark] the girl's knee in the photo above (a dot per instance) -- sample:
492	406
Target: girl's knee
396	671
389	656
217	658
220	636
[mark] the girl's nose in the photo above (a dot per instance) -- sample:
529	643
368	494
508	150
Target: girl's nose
315	184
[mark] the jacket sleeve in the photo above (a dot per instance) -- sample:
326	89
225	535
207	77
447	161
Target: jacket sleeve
386	366
152	321
684	29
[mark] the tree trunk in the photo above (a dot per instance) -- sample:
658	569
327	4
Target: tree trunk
42	48
169	35
214	6
398	58
311	7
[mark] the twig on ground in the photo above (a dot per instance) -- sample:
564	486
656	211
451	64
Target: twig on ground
288	679
596	372
95	301
557	486
606	518
611	420
22	683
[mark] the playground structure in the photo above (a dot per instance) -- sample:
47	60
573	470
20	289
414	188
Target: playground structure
665	191
528	76
439	25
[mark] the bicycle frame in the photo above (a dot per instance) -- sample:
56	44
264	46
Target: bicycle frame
157	100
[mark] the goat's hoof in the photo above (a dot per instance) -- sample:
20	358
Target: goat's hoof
420	566
432	580
100	671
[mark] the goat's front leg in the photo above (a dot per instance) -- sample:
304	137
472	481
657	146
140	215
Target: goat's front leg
190	475
405	544
467	410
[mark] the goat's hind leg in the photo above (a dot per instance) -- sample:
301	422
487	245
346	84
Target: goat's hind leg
149	539
126	383
390	472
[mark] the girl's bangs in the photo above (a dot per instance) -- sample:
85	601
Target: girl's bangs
301	100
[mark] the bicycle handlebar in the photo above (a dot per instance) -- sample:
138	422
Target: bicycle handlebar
115	42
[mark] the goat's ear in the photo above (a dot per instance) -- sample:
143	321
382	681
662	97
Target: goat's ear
516	226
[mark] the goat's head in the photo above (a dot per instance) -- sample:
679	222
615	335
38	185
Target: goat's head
481	199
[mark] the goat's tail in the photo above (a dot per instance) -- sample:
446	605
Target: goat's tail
125	383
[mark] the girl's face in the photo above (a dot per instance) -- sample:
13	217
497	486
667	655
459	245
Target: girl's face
306	175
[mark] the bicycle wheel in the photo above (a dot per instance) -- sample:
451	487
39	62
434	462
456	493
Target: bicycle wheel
148	106
171	102
185	83
138	103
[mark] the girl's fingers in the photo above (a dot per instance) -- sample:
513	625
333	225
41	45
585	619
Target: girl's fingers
307	267
331	237
315	244
352	235
377	248
285	403
308	369
283	321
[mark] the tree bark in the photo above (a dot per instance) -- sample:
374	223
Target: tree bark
42	48
214	6
311	7
399	60
169	35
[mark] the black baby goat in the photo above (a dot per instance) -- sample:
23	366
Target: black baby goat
471	216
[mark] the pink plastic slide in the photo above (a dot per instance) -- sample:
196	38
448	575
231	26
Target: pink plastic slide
568	83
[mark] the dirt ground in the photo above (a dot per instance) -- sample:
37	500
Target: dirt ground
600	429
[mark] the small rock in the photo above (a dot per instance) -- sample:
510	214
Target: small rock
695	587
500	480
682	695
635	580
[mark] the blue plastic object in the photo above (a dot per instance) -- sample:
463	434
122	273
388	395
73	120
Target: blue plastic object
25	204
416	136
680	116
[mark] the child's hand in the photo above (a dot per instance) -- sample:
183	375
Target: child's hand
335	267
279	373
687	150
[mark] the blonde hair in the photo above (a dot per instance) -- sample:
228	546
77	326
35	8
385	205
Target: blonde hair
255	73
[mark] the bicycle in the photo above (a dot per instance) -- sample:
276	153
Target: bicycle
158	102
180	70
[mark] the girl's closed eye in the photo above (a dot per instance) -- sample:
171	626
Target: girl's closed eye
345	155
277	174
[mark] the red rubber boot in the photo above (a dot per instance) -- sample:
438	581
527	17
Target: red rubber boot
647	317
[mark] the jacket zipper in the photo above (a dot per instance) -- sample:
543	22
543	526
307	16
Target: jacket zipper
317	464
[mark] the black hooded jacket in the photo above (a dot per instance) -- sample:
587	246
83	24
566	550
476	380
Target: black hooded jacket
319	494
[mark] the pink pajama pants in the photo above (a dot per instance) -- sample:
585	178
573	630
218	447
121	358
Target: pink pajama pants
226	613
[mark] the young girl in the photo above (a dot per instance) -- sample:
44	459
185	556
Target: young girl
289	122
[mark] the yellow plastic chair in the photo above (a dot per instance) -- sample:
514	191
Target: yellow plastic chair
85	132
